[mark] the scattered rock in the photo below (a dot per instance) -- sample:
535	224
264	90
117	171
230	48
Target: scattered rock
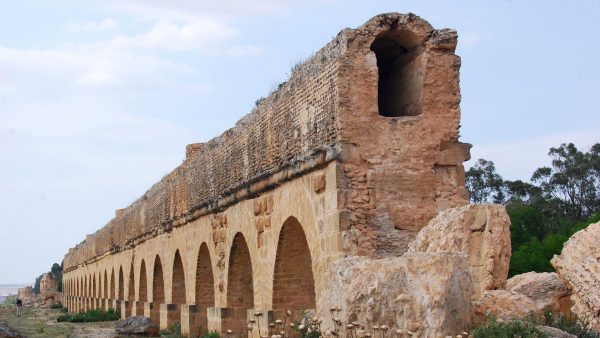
578	266
546	289
428	294
137	325
503	304
482	232
8	332
553	332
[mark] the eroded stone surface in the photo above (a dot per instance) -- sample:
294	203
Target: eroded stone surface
578	266
482	232
425	293
136	325
546	289
504	305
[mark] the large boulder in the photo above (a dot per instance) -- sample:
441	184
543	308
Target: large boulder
578	266
7	332
553	332
136	325
482	232
428	294
503	304
546	289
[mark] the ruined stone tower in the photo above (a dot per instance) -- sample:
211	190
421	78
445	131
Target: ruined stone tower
351	156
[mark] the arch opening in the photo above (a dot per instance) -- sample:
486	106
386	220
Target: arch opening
205	288
400	70
105	286
178	286
142	290
293	281
130	291
240	289
158	290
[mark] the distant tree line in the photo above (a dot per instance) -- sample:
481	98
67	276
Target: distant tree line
557	202
56	271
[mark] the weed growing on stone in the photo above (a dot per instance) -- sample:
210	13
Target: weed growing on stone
173	331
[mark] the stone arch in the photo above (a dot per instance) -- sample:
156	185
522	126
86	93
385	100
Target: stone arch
400	70
178	283
121	291
105	286
143	285
293	280
130	290
240	283
158	289
112	284
240	287
205	287
94	290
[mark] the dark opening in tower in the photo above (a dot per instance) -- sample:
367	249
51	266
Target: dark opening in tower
400	73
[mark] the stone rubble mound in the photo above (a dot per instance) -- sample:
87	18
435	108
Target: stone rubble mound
578	266
547	289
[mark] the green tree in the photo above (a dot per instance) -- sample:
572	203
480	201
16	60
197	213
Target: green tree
484	183
573	182
36	285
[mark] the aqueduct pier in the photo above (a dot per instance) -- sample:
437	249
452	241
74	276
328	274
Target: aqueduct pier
354	154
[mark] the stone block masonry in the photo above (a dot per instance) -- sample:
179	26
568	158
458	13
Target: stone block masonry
352	156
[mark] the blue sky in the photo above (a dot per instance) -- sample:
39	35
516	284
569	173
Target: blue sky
99	98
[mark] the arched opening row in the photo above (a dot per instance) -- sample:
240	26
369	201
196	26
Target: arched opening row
293	284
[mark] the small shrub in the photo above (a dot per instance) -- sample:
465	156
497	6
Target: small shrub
211	334
513	328
91	316
56	306
173	331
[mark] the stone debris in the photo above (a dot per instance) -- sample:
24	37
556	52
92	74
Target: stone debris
504	305
546	289
578	266
553	332
136	325
482	232
7	332
425	293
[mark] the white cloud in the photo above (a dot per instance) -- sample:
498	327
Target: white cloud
206	35
96	65
107	24
519	159
190	9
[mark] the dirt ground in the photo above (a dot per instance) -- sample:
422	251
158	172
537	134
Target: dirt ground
41	323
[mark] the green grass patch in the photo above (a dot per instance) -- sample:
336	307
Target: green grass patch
523	328
10	301
35	323
91	316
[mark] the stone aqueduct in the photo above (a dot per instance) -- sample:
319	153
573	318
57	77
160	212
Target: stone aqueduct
351	156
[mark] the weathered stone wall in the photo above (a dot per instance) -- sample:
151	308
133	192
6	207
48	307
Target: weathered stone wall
26	292
354	154
398	172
